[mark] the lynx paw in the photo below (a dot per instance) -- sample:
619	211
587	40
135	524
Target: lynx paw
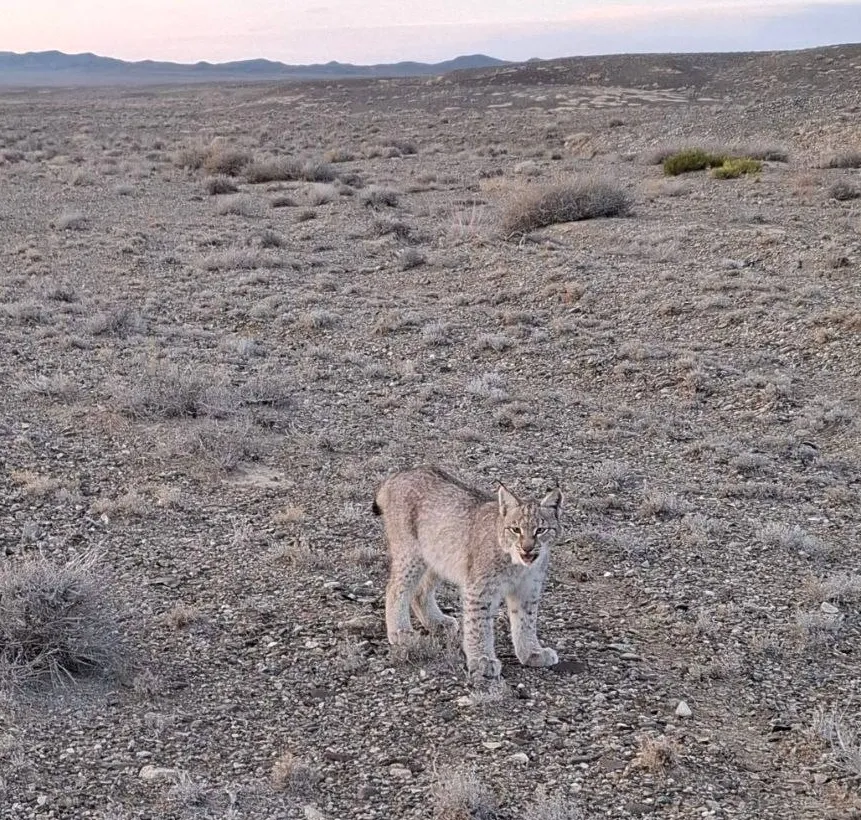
448	625
543	657
401	637
485	667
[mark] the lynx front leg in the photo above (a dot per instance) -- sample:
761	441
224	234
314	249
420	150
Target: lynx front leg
523	616
479	610
403	579
426	608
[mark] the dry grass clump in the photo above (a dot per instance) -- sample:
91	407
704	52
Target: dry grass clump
238	205
410	258
224	160
843	739
376	197
240	259
321	193
844	159
290	774
279	169
120	320
538	206
220	446
220	185
552	808
459	794
56	622
71	221
766	153
844	191
656	754
215	158
175	392
336	155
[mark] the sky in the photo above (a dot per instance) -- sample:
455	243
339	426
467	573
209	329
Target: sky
372	31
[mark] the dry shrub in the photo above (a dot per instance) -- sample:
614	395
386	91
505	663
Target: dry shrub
220	185
656	754
57	623
459	794
238	205
280	169
222	159
375	197
844	159
215	158
175	392
844	191
539	206
290	774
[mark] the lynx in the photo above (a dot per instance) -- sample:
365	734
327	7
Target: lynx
492	548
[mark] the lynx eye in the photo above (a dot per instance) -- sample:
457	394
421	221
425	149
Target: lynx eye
515	530
541	530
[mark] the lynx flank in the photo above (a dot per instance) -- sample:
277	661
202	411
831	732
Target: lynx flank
492	548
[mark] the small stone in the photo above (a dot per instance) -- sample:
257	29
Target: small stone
829	608
820	778
400	771
152	773
520	757
493	745
312	813
683	710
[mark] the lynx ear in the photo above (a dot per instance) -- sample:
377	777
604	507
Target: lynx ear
507	500
553	500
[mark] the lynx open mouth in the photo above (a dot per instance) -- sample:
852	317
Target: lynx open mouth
528	557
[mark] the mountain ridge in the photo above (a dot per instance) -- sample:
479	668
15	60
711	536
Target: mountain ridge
57	68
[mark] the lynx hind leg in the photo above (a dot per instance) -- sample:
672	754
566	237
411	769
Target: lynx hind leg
426	608
404	577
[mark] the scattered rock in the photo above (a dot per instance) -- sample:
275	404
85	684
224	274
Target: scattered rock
152	773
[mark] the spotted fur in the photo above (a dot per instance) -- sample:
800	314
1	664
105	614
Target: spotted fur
439	529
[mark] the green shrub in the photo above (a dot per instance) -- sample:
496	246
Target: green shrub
734	167
539	206
691	159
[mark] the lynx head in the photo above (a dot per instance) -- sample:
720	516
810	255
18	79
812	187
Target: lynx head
526	529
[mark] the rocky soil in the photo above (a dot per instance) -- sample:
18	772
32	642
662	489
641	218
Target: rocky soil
205	389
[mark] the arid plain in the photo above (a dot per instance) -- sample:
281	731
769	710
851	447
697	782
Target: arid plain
228	312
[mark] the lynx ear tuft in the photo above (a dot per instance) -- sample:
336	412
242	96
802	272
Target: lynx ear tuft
553	500
507	500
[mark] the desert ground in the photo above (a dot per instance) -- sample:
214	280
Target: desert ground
229	312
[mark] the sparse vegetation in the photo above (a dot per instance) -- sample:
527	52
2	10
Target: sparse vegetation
220	185
57	623
207	390
844	191
537	207
734	167
844	159
459	794
691	159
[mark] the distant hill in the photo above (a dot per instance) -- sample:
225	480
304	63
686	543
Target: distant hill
54	68
771	72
